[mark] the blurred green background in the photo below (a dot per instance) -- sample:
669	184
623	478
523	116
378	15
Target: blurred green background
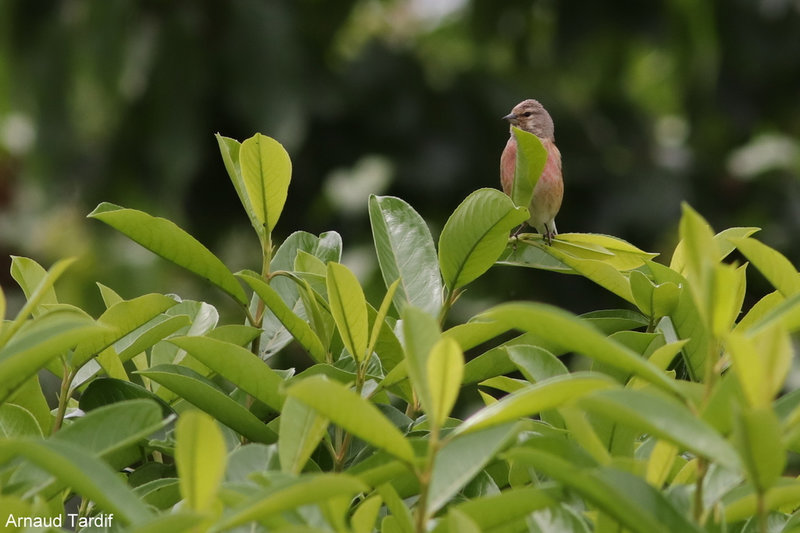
654	103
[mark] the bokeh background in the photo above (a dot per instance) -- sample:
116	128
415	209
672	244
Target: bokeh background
654	103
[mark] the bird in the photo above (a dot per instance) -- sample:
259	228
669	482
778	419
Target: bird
529	115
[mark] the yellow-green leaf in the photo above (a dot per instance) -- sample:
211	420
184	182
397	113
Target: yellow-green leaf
445	371
200	457
349	309
266	172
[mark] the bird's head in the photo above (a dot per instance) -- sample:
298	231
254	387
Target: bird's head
531	116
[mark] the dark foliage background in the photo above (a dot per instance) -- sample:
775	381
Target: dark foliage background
654	103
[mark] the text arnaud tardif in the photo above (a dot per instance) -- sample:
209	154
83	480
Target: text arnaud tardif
68	520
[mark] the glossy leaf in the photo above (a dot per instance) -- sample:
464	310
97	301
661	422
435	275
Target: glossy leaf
547	394
475	235
164	238
406	252
567	332
121	319
238	365
148	334
203	394
298	327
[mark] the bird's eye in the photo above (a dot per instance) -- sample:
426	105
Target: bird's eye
527	114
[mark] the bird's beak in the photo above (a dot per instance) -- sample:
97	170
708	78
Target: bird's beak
510	117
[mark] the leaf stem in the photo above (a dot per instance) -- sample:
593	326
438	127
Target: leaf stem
63	396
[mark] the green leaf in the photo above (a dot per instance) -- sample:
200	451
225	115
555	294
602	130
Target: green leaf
498	510
653	300
29	275
406	252
176	522
599	272
535	363
380	317
761	363
203	394
298	327
495	362
38	288
617	252
697	246
726	297
82	472
420	334
301	430
626	497
757	437
229	150
530	400
44	339
238	365
613	320
475	235
166	239
266	171
103	391
121	319
352	413
30	397
778	270
366	514
445	371
101	432
527	253
663	417
569	333
305	491
349	309
397	509
462	458
687	321
530	161
785	493
148	334
16	421
200	457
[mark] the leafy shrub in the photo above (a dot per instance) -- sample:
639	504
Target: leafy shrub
174	422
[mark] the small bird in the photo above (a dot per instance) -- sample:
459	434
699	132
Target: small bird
529	115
